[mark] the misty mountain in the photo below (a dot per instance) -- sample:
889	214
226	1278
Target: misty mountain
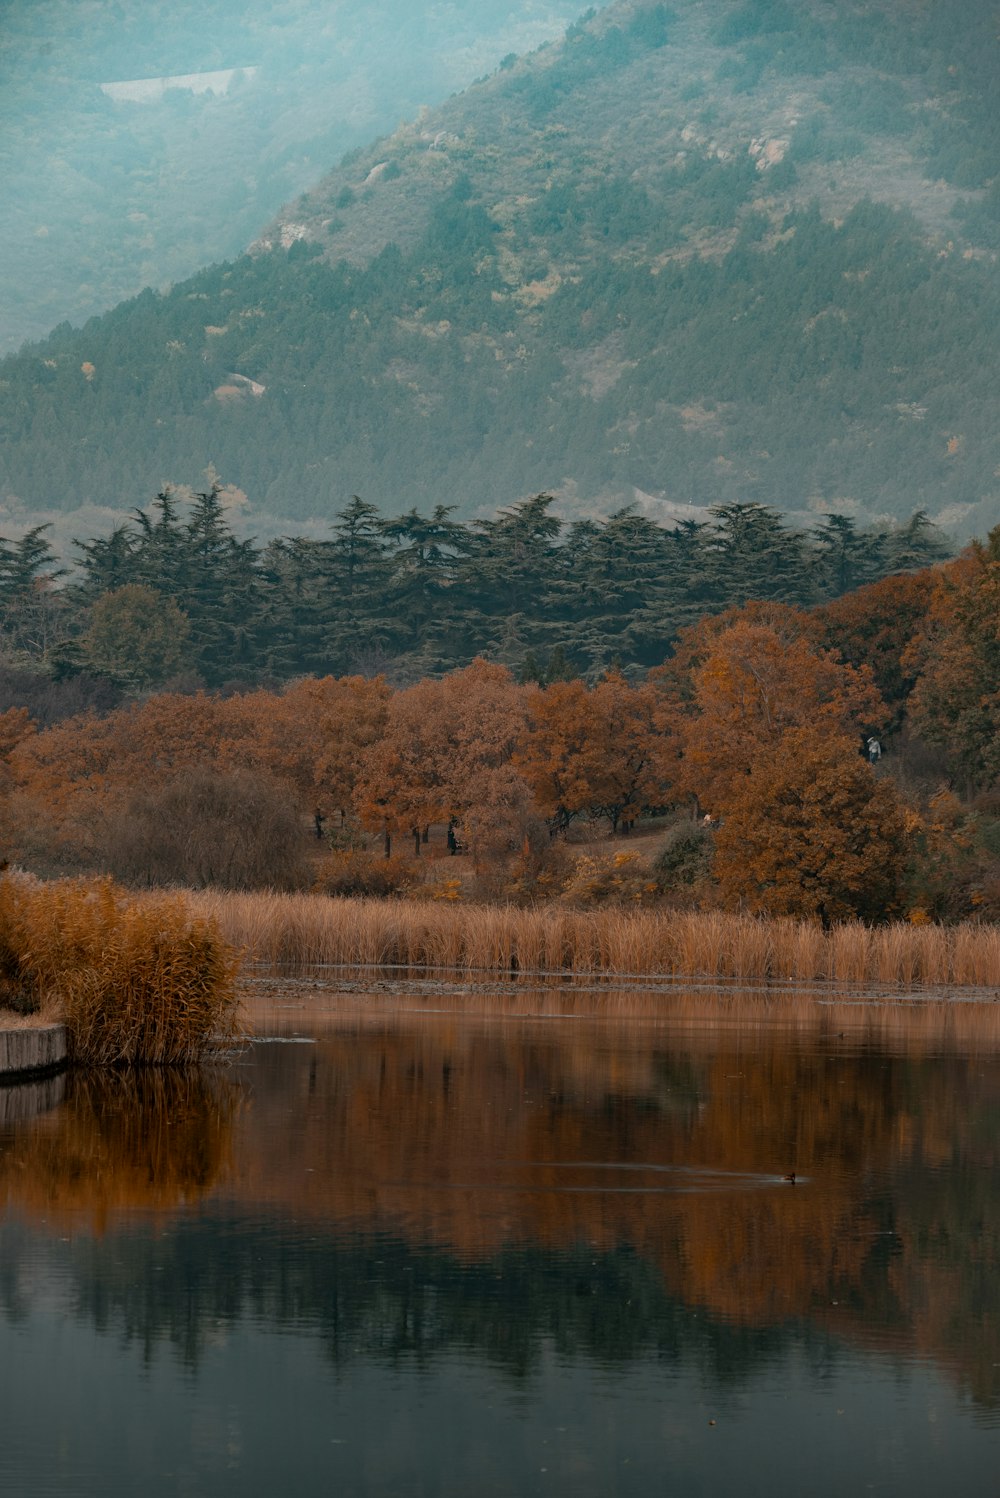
141	140
724	251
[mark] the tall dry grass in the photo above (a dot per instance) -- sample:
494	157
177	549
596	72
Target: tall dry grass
311	929
136	981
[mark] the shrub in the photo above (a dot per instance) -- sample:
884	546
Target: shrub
541	869
351	874
621	878
237	829
686	856
136	981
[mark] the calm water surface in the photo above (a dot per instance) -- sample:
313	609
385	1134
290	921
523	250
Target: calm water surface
397	1249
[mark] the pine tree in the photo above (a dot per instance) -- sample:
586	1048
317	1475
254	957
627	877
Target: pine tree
752	556
844	557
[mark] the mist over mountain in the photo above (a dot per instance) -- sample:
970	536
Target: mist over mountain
140	140
685	255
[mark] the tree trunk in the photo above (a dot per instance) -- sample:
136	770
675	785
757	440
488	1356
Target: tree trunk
416	841
388	843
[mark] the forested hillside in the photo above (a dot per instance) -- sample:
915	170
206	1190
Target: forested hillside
726	252
105	192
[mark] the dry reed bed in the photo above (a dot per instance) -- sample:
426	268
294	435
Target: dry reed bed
136	981
313	929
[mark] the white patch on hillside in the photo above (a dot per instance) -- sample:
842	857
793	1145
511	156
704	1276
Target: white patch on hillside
152	90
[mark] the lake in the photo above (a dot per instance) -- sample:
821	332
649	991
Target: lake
545	1247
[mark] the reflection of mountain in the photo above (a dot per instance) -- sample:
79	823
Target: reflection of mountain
459	1185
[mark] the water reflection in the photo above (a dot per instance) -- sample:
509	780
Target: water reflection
153	1141
408	1192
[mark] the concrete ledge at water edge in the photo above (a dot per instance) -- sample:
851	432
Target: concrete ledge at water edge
26	1052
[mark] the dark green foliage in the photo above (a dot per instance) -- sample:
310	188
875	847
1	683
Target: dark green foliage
686	856
847	559
836	363
418	595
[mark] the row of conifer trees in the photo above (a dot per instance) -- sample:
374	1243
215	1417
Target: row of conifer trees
175	594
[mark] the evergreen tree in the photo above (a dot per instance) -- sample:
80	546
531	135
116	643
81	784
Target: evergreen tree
918	543
34	616
844	557
219	592
752	556
509	573
425	553
105	563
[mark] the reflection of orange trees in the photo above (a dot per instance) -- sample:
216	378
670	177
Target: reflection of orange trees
141	1142
949	1213
472	1142
769	1254
476	1140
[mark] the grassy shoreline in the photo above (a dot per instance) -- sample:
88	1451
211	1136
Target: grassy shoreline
299	929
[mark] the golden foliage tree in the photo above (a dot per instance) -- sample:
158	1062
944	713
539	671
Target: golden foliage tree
445	754
876	626
754	686
601	751
813	832
313	735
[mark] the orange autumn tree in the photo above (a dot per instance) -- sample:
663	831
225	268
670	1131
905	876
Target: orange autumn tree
313	735
754	683
601	751
955	704
71	777
445	755
812	832
169	767
554	754
876	626
136	744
